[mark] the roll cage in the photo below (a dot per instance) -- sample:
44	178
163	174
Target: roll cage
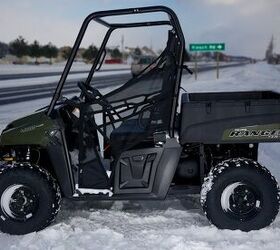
99	18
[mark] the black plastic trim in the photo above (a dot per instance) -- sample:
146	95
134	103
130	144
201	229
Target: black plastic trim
137	153
58	153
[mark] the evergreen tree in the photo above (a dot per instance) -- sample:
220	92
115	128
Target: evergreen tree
4	49
50	51
18	47
115	53
90	53
35	50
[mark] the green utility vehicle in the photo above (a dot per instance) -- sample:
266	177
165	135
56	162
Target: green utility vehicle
140	142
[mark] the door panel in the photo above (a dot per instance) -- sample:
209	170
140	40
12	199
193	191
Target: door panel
135	171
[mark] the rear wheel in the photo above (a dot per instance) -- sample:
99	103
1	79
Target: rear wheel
29	198
240	194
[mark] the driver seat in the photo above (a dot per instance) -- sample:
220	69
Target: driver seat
136	129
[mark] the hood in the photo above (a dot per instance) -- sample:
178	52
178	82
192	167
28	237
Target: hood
28	130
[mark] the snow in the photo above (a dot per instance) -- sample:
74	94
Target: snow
56	67
140	225
51	79
92	191
11	112
170	224
206	187
260	76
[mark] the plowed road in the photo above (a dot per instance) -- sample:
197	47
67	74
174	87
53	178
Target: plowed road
9	95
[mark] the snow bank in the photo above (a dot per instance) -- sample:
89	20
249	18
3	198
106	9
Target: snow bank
51	79
56	67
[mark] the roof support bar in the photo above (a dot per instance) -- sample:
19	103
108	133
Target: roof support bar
140	24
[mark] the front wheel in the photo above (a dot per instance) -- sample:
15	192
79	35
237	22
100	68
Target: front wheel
29	198
240	194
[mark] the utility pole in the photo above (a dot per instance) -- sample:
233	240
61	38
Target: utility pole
195	66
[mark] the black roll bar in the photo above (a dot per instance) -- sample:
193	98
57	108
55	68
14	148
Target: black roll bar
97	16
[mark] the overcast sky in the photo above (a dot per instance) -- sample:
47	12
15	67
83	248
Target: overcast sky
246	26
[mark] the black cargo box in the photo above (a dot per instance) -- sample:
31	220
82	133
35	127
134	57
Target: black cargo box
210	117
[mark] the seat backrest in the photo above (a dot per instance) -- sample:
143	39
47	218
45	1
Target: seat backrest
169	79
146	99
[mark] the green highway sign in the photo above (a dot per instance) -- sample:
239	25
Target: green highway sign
199	47
207	46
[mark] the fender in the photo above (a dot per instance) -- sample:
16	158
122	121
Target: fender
43	132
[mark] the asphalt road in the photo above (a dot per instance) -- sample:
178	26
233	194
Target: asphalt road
26	93
9	95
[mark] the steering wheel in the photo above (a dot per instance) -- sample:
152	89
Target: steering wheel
91	93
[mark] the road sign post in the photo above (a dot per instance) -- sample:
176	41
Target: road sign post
202	47
195	66
218	59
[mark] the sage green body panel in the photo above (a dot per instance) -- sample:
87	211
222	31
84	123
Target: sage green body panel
30	130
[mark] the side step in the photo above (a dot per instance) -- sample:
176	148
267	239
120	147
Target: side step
106	194
88	191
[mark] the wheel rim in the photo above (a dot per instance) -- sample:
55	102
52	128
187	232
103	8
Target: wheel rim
19	202
241	200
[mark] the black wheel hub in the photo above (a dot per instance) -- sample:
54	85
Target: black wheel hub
19	202
241	201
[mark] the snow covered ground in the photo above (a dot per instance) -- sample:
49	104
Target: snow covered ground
50	79
56	67
140	225
77	66
149	224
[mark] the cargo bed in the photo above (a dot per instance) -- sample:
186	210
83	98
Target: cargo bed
228	117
